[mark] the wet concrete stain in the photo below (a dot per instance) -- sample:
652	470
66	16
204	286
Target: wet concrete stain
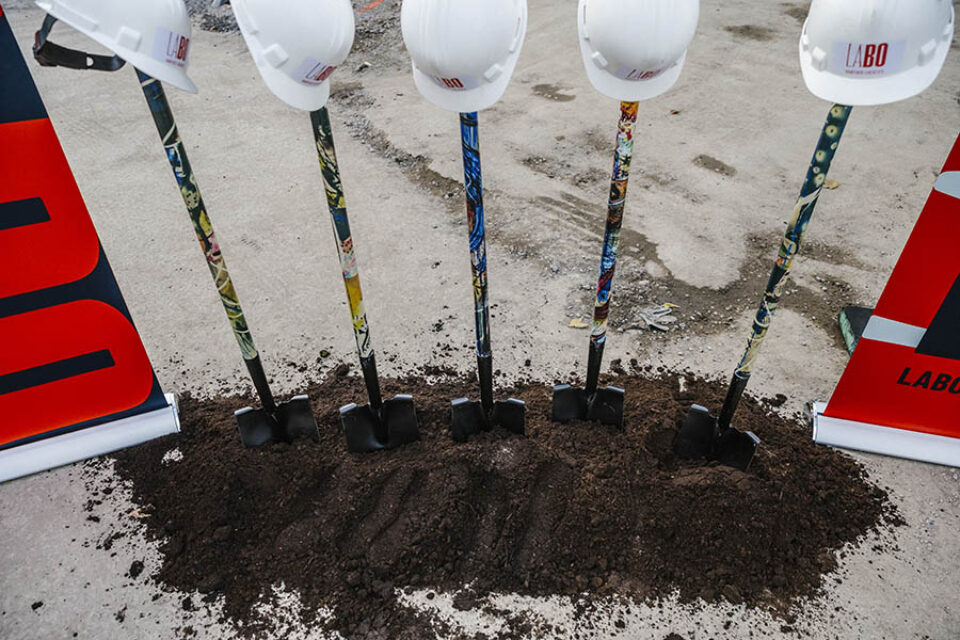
796	11
552	92
712	164
751	32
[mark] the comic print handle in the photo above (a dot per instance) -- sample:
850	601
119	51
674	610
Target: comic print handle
336	202
190	191
473	185
789	246
611	240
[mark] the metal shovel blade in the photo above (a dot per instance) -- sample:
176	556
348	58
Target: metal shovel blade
696	435
736	448
296	420
569	403
256	426
368	430
604	405
467	418
400	416
293	419
511	415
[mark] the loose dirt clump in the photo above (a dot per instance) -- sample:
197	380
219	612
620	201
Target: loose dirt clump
577	509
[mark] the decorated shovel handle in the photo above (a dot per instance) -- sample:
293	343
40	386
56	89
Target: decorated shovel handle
473	186
323	134
789	246
611	239
190	191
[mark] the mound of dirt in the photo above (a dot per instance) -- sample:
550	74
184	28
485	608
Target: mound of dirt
569	509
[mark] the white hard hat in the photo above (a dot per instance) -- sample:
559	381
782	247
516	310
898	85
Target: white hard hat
463	51
634	49
298	45
868	52
152	35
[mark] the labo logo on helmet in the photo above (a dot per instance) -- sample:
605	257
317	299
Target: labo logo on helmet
639	75
462	83
860	59
171	47
312	72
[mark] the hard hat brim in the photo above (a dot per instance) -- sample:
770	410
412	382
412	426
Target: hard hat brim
871	91
466	101
295	94
629	90
148	65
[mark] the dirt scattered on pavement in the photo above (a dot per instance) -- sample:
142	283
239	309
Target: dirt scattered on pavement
553	92
712	164
751	32
578	510
796	11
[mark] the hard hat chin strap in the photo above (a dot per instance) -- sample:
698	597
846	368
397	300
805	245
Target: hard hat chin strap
49	54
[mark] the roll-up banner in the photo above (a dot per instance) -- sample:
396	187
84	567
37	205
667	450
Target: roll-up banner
900	392
75	380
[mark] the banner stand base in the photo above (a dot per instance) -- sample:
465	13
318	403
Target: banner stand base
88	443
914	445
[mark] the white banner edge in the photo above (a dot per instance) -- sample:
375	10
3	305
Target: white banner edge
889	441
75	446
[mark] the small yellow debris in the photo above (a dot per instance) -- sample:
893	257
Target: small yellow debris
670	305
577	323
830	184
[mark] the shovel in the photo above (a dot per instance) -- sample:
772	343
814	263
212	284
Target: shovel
286	421
703	436
470	416
380	424
591	403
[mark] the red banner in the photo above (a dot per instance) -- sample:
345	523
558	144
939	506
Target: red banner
904	375
75	380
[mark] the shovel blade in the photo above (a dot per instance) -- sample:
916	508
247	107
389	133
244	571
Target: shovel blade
572	403
367	430
511	415
569	403
606	406
699	438
400	417
467	418
696	435
296	420
735	448
256	426
362	428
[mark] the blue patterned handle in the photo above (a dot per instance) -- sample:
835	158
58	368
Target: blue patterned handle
473	185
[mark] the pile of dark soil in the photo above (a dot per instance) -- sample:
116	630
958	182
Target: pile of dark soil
574	509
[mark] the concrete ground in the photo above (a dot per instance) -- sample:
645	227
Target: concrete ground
717	165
